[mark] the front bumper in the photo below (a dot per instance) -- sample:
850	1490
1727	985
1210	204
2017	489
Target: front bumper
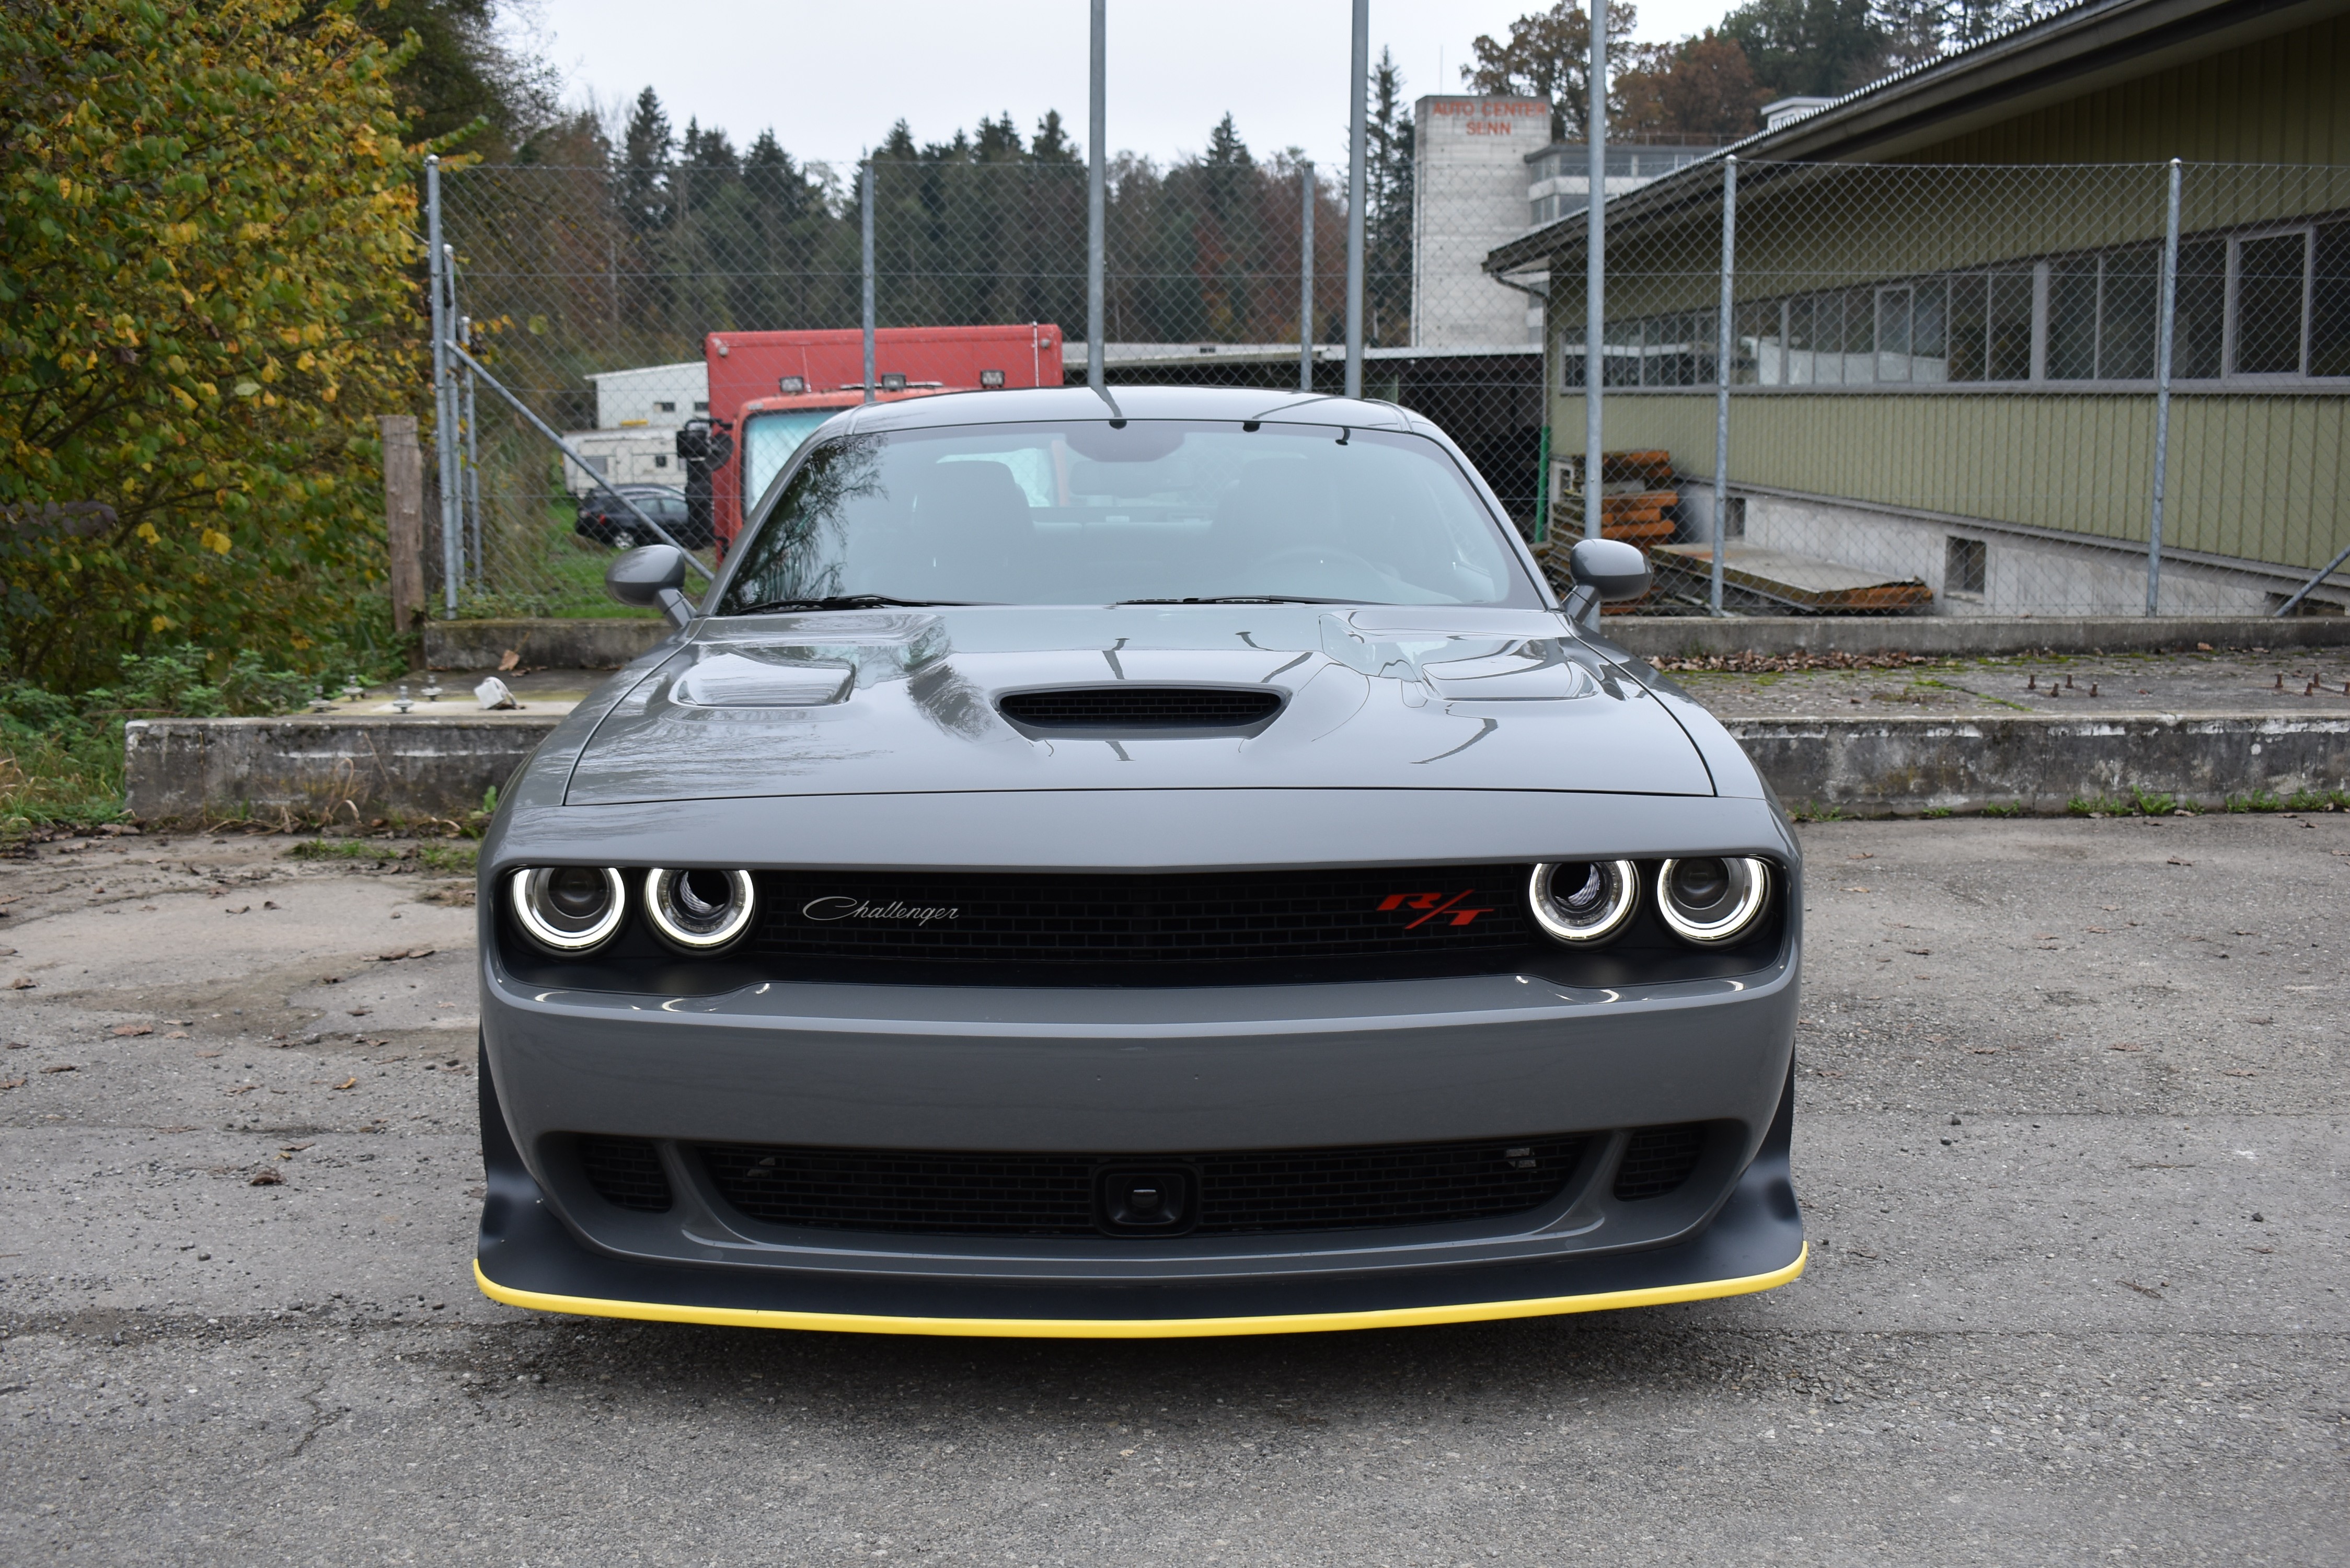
529	1258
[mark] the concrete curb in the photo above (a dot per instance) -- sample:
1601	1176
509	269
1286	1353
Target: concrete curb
1963	637
354	768
362	767
1881	766
608	644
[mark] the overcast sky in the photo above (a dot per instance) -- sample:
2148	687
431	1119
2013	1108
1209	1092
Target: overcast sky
830	78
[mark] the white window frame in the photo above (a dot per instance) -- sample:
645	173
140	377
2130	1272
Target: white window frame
2228	334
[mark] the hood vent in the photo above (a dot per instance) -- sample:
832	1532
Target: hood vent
1128	708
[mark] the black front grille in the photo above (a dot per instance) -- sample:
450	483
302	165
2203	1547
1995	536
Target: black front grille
1658	1159
625	1171
1142	921
1140	708
1054	1194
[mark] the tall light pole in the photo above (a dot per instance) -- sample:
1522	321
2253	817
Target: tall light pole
1594	265
1358	135
1097	196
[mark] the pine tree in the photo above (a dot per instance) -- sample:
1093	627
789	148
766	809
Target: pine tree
1388	170
645	153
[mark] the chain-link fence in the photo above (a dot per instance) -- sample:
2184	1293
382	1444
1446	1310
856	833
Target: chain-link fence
1940	386
1944	389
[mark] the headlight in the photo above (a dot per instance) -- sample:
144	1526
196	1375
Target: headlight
1712	901
1583	901
698	911
570	908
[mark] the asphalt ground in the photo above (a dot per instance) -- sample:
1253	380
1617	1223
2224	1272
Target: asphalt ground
2071	1139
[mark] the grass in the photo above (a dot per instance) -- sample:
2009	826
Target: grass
2299	800
2138	803
2012	808
453	857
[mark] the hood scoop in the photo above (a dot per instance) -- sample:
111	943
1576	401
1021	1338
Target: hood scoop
1126	709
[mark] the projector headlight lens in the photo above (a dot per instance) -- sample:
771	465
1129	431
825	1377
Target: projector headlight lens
1581	902
570	908
698	911
1709	901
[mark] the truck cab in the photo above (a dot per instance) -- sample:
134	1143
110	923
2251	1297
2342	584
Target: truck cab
770	390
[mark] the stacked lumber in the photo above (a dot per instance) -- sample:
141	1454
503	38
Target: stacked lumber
1649	469
1799	583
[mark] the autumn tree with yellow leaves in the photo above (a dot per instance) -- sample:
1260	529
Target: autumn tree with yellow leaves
207	294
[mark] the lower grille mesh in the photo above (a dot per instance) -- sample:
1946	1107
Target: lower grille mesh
1053	1194
625	1172
1658	1159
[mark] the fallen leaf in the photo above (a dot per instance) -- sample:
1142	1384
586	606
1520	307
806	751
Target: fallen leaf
347	1084
509	659
12	1084
2098	930
240	909
1921	953
2125	1045
177	1035
2175	860
62	1068
267	904
21	983
1983	1050
1863	855
242	1089
2142	1290
130	1029
2242	1073
1855	889
266	1177
296	1148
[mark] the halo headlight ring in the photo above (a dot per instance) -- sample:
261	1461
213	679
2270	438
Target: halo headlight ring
1593	911
691	915
1707	902
563	911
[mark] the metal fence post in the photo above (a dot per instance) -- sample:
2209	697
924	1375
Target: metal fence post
1594	265
1357	184
473	491
445	447
871	168
1305	280
2162	394
1722	343
1097	196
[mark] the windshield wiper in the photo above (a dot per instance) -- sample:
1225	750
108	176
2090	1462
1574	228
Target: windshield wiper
845	601
1245	599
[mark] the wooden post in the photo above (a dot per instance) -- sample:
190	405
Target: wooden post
403	519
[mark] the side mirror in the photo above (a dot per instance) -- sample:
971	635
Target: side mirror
651	576
1603	570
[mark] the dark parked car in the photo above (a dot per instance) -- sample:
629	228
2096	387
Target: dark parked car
1154	869
603	517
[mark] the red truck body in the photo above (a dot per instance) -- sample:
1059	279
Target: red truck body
769	390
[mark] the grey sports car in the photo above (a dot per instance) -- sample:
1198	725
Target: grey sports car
1148	865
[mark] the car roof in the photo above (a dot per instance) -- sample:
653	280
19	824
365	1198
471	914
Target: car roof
1058	403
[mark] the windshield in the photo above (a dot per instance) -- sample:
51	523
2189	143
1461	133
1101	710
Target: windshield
1156	511
768	442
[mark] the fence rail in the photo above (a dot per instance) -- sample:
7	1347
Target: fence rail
1924	390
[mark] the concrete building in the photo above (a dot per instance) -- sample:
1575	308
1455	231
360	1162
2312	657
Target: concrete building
1468	195
1947	311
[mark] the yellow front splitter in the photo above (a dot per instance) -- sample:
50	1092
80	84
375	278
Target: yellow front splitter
1141	1328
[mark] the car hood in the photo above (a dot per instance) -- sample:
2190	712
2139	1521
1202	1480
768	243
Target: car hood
906	702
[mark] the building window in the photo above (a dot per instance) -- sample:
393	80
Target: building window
2268	305
664	408
1966	567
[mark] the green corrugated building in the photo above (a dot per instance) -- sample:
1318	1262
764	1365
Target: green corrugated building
1946	327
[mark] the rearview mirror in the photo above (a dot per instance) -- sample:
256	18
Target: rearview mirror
651	576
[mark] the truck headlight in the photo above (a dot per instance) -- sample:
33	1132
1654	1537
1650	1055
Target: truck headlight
568	908
1710	900
698	911
1581	902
